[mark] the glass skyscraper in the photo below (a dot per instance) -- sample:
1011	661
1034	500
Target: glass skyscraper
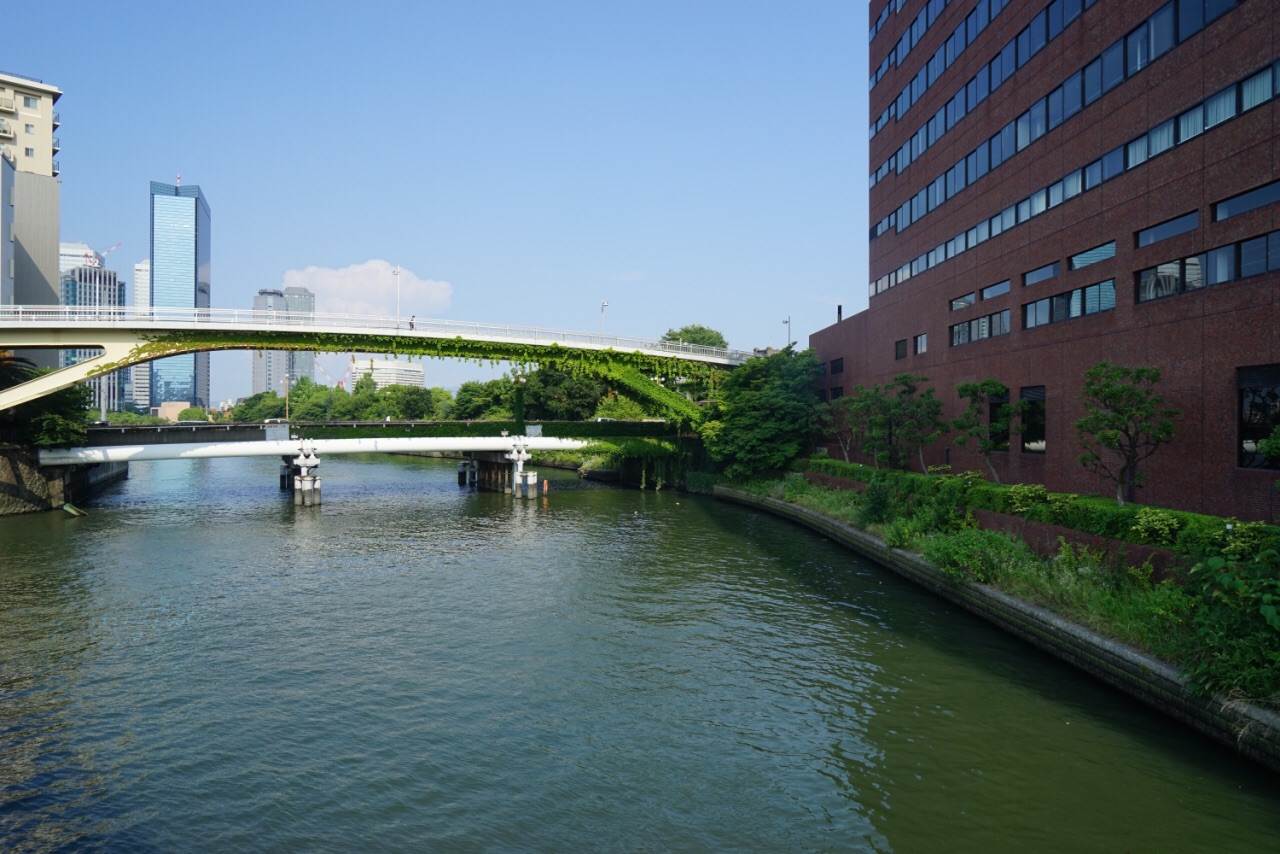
180	278
273	369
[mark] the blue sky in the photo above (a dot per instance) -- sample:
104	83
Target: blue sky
689	162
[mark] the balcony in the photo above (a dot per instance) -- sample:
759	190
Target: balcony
6	132
57	145
57	121
56	167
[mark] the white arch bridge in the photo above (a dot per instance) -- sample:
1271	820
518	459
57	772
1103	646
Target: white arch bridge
129	336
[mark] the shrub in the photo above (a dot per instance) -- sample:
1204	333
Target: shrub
1156	527
1236	645
973	554
1025	495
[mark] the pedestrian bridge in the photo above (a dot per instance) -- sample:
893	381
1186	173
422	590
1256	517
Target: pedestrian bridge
131	336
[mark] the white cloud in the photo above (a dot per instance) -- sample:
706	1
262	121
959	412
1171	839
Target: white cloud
370	289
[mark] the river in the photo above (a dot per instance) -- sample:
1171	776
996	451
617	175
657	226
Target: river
200	665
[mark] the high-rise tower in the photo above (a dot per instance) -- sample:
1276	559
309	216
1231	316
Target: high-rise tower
180	279
272	369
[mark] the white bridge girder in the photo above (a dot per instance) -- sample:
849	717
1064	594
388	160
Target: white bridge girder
299	447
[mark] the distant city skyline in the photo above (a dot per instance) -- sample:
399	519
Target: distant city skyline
521	163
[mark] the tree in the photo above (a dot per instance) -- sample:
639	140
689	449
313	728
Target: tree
1126	423
990	398
619	407
488	401
194	413
557	395
916	417
764	413
696	333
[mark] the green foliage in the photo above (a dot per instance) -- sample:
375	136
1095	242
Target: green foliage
972	554
887	423
764	414
551	394
194	413
1023	496
126	419
1155	526
1270	446
1236	646
619	407
988	399
1126	422
696	333
490	401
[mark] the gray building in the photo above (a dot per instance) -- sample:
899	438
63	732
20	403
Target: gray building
180	279
94	287
140	375
272	369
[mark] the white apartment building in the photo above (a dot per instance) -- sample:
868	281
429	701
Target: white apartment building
389	372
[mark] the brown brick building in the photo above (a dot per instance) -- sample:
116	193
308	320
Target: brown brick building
1059	182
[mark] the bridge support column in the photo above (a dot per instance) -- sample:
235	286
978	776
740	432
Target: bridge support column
306	482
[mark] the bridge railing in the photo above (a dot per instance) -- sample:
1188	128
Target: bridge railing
162	317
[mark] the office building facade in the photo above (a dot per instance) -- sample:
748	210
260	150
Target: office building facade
388	372
93	287
1059	183
273	369
180	279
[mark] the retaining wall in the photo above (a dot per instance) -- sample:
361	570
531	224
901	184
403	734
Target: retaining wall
28	487
1252	731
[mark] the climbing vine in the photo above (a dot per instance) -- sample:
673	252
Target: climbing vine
639	374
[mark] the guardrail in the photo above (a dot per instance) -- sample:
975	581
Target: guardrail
195	318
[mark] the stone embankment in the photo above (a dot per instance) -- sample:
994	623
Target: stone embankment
1252	731
28	487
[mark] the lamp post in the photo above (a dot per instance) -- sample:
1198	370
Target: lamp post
396	273
603	305
788	323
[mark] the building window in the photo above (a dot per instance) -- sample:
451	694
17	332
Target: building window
822	395
837	392
1033	419
900	349
29	152
29	128
1171	228
1048	271
1251	257
1245	202
1065	306
822	369
997	290
1259	390
964	301
30	102
1093	256
837	366
922	343
979	328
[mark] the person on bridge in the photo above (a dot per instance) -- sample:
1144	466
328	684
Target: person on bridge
412	318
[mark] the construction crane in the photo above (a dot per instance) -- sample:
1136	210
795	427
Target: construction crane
94	258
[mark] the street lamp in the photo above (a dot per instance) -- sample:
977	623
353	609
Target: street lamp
396	273
603	306
788	323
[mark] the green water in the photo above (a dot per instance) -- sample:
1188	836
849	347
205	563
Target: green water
199	665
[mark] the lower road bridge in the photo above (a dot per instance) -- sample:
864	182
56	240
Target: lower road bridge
492	462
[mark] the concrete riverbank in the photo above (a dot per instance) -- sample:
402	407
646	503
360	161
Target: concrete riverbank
1252	731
